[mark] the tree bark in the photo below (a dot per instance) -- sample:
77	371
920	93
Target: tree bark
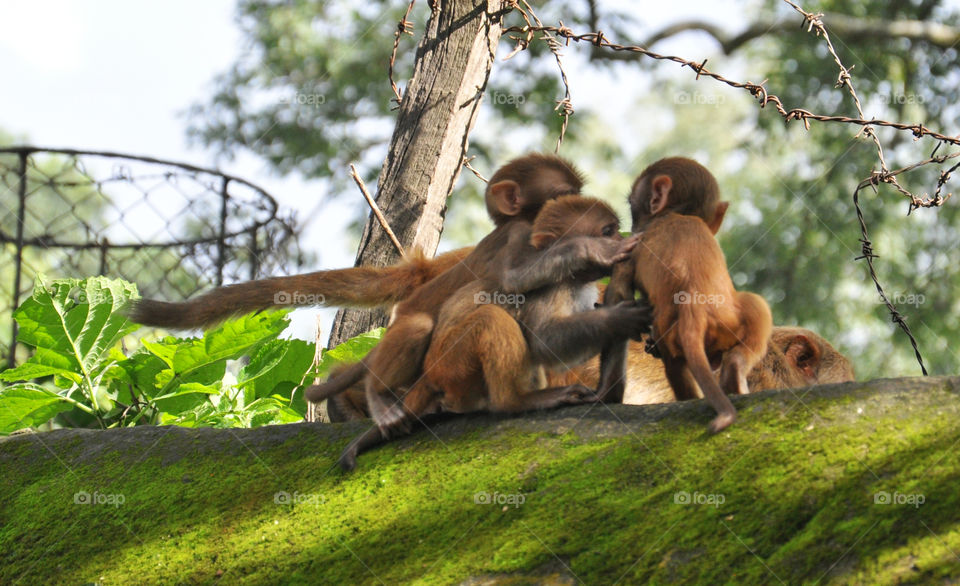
437	111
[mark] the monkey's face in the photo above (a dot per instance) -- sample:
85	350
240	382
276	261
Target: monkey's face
574	216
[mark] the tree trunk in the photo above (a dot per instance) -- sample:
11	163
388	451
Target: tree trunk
437	111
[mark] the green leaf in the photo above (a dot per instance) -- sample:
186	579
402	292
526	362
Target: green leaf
72	324
186	397
271	411
353	350
28	404
275	363
236	337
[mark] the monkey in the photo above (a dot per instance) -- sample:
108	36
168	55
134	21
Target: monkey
698	315
796	357
513	196
397	360
490	356
529	179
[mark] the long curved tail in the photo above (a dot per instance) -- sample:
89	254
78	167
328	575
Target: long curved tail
353	287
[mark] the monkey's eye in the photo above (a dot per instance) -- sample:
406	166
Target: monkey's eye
609	230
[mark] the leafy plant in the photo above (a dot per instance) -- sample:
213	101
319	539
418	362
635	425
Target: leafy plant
76	329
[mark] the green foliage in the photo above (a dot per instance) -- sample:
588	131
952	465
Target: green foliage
76	327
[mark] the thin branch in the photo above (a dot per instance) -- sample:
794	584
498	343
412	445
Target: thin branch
376	211
850	28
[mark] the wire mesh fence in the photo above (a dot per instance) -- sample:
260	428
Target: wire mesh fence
172	228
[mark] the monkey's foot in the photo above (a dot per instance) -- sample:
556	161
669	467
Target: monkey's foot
578	395
394	422
722	421
348	459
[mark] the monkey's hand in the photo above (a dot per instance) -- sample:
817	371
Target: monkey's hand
630	319
607	252
599	255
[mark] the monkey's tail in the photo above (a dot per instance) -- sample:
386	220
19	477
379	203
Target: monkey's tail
353	287
337	383
757	322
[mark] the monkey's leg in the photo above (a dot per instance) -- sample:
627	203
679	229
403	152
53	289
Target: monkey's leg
613	357
756	326
394	364
696	357
613	372
348	406
681	381
507	368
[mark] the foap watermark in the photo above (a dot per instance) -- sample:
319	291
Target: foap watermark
83	497
304	99
298	498
515	100
914	299
485	498
498	298
80	296
695	298
683	497
901	99
897	498
298	298
698	99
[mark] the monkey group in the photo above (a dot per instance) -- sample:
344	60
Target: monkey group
513	324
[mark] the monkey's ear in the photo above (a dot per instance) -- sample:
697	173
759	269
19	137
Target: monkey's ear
660	188
804	354
506	197
541	239
714	224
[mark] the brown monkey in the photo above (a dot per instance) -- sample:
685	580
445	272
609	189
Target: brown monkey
796	357
698	315
491	356
531	179
397	361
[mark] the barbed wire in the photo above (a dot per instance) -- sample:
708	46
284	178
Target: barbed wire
404	27
756	89
814	23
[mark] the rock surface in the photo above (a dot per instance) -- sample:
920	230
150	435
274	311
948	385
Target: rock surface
853	483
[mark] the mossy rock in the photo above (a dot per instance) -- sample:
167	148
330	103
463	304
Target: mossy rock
855	483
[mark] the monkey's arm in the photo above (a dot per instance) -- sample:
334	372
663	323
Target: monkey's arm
613	356
354	287
583	258
572	339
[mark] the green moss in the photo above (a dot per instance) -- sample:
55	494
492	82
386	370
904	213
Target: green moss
788	493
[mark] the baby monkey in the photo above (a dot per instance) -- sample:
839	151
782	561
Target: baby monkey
699	319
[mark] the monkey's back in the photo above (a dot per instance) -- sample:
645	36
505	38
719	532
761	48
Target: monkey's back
682	269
